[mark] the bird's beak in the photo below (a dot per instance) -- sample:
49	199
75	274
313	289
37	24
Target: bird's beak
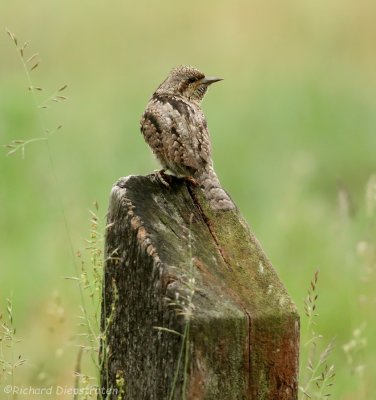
211	79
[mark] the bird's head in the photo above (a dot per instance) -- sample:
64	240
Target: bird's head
187	82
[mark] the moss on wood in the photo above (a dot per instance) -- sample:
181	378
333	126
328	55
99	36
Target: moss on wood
244	333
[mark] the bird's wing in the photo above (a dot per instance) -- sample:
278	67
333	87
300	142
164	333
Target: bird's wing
188	137
152	130
177	133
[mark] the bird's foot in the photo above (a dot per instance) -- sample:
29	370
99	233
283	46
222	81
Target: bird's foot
162	177
191	180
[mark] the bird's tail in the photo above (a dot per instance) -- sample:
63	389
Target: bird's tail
209	183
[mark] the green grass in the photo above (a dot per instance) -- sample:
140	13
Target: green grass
295	114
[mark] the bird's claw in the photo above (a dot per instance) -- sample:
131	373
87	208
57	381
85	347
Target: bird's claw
191	180
162	177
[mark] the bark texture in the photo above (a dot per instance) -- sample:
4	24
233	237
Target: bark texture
192	307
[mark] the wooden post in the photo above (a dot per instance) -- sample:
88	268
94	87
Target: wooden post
192	307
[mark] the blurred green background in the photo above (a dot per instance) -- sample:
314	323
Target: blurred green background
293	128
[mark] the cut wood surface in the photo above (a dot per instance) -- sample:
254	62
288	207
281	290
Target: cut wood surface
192	307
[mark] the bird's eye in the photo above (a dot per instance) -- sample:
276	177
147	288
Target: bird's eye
191	80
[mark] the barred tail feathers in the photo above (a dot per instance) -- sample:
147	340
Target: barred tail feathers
209	183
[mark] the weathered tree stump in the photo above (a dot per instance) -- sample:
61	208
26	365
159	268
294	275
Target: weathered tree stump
192	307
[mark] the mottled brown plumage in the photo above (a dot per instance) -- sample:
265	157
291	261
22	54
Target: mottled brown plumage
175	127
